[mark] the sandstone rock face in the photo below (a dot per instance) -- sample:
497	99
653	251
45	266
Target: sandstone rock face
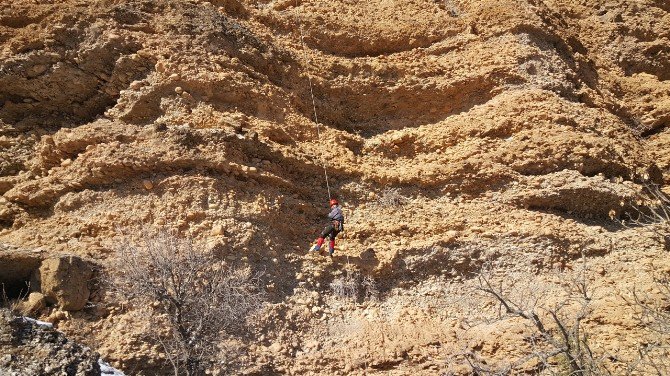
511	131
64	281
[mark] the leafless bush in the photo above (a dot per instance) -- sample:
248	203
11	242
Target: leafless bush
346	286
653	313
391	197
651	209
559	343
195	297
370	290
450	7
352	286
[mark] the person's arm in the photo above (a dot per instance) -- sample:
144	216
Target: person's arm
336	214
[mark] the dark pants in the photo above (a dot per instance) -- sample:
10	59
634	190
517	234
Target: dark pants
330	231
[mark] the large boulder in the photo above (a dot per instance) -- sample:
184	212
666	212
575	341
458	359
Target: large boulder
64	281
33	305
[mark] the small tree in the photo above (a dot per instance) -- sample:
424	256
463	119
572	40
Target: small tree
391	198
650	209
346	287
560	345
195	296
653	313
352	286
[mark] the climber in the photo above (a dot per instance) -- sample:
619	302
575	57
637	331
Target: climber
335	226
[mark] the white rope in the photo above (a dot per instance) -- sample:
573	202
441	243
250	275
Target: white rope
311	92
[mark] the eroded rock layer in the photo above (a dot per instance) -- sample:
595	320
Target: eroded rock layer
509	130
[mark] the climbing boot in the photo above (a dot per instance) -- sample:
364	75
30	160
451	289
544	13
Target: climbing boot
316	247
331	251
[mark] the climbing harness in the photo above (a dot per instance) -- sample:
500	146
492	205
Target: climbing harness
311	92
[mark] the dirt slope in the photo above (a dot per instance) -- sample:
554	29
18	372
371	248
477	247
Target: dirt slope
515	129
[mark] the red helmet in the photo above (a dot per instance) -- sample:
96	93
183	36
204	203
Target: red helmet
333	202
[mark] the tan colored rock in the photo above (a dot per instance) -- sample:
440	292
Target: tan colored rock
312	345
36	302
36	70
217	230
148	185
499	120
64	281
57	316
110	90
276	347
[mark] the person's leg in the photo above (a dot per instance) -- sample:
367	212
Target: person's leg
331	244
319	242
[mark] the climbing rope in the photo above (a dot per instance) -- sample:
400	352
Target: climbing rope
311	92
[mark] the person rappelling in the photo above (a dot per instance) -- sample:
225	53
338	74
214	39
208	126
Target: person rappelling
335	216
334	227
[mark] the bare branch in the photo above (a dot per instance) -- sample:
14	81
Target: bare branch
650	209
558	330
194	296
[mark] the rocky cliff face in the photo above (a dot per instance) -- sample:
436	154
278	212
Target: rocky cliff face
507	131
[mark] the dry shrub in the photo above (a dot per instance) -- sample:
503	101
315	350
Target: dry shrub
650	210
450	7
653	314
559	343
199	298
14	303
346	286
370	289
351	286
391	197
